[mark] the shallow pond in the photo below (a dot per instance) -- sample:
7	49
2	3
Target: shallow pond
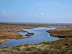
40	35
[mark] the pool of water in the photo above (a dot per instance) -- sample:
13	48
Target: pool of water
40	35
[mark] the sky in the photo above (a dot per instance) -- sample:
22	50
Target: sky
36	11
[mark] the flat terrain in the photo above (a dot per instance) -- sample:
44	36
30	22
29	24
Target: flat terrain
61	32
11	32
62	46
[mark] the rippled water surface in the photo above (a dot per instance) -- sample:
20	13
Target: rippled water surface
40	35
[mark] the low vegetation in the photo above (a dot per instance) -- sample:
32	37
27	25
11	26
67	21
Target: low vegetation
8	31
61	33
29	34
32	33
62	46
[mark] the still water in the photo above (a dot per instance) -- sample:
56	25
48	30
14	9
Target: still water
40	35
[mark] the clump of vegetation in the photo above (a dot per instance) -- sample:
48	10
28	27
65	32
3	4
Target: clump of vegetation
5	47
28	35
32	33
19	46
0	37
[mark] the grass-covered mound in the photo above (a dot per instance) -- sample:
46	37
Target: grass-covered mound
61	33
60	44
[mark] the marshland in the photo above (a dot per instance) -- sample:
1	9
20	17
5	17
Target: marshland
35	26
35	38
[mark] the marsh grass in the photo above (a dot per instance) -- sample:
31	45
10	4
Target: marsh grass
19	46
32	33
5	47
28	35
62	46
61	34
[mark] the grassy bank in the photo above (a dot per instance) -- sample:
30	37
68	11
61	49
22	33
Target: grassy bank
62	46
10	32
61	33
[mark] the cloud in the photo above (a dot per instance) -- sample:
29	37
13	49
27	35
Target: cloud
42	13
4	13
11	16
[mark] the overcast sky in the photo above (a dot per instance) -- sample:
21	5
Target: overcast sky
37	11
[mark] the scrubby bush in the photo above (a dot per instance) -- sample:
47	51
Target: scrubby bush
32	33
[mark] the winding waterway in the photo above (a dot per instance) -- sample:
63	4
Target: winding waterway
40	35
